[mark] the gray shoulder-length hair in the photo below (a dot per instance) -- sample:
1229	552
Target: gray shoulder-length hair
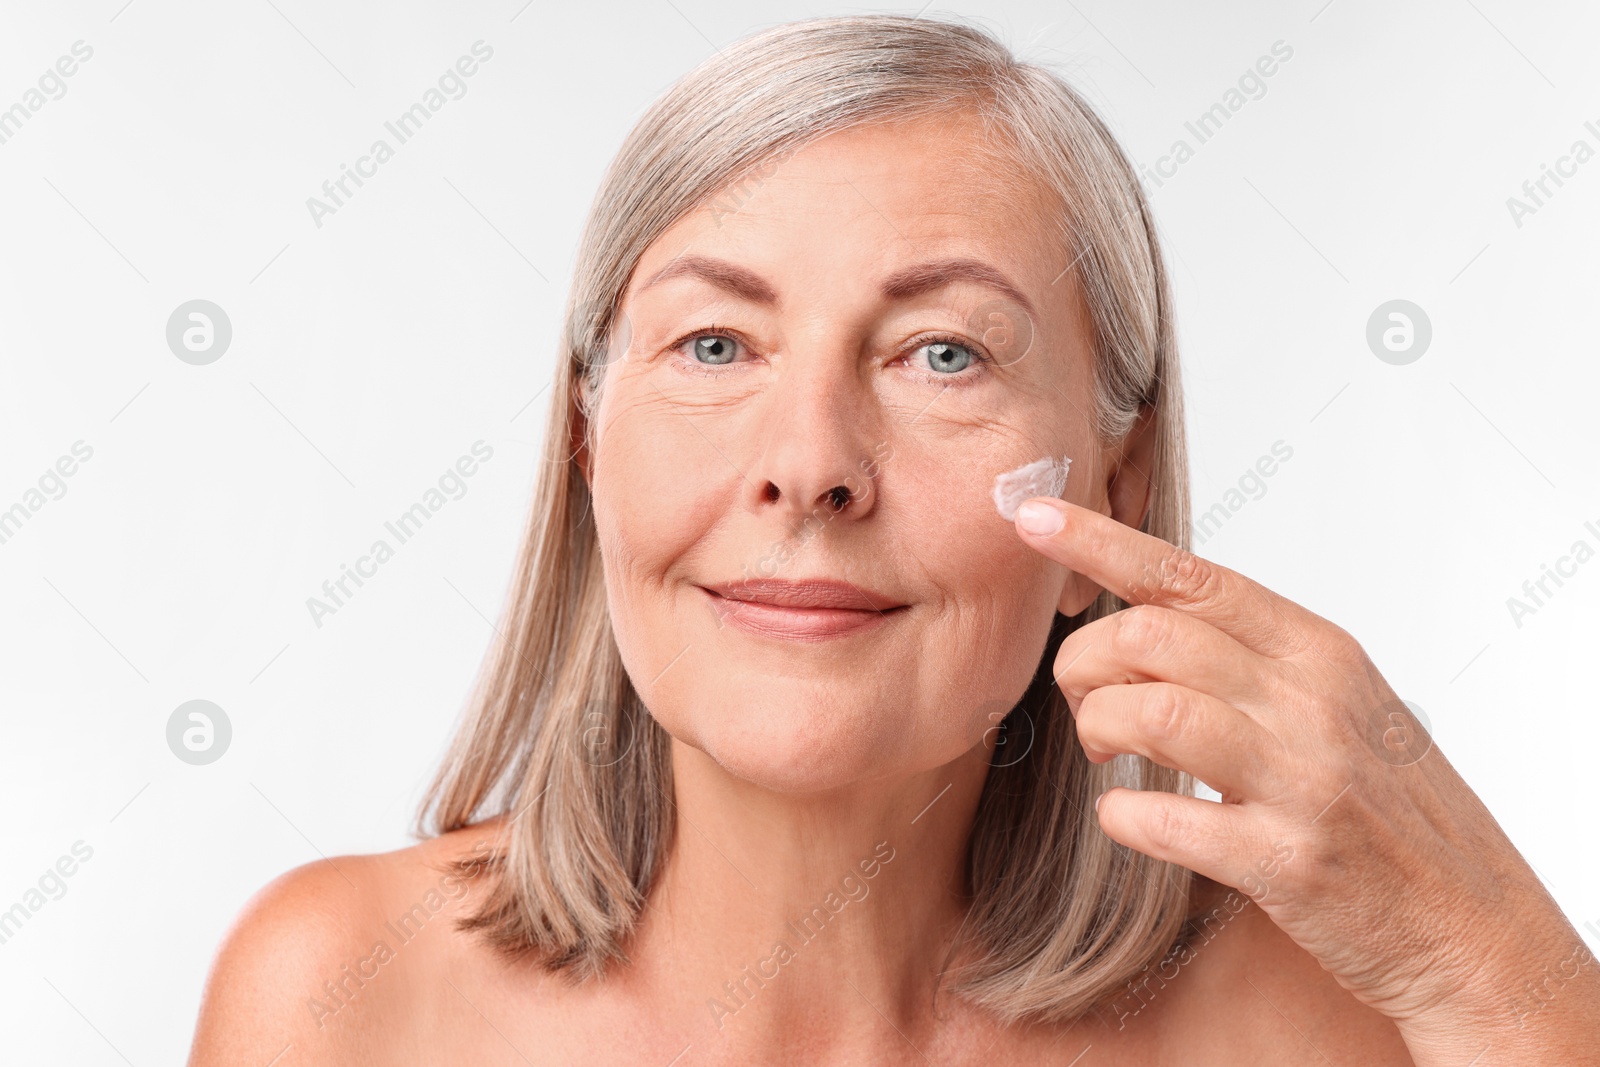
556	738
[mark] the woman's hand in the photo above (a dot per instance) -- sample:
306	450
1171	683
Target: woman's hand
1339	817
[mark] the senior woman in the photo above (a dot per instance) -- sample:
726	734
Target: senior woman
796	751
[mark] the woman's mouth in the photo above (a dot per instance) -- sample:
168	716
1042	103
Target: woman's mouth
810	609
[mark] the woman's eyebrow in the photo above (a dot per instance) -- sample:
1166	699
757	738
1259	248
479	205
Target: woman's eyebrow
924	277
901	285
740	281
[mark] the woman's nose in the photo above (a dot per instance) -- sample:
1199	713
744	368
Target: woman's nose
816	456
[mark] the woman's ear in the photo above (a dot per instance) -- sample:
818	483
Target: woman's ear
1129	486
1126	498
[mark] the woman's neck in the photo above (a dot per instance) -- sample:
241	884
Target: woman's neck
775	912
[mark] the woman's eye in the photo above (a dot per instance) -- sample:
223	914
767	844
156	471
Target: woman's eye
709	351
713	349
948	357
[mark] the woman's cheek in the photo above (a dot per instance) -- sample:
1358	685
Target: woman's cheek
654	484
949	527
1009	588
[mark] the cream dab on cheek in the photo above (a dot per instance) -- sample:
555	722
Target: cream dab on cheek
1042	477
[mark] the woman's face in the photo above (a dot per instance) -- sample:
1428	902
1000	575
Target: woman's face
884	312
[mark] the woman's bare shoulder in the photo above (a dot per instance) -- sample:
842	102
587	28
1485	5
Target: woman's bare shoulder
1280	1004
310	961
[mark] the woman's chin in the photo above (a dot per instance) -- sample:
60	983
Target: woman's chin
806	753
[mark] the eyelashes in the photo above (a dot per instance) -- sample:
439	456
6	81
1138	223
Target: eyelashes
694	366
981	361
979	367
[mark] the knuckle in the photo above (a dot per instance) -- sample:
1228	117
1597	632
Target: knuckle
1162	713
1188	576
1139	629
1178	575
1344	650
1164	828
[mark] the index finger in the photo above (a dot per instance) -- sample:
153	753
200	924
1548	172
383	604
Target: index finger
1143	569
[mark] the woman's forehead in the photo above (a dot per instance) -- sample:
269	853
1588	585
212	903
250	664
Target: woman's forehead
902	203
932	174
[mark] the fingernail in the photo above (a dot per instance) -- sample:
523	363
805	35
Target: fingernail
1097	802
1040	519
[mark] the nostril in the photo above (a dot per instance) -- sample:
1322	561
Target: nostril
840	496
771	492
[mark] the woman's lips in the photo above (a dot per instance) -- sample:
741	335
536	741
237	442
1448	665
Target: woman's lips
813	610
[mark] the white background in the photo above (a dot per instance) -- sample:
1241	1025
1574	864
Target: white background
370	353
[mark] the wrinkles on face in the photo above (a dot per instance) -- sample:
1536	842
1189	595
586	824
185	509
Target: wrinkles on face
706	472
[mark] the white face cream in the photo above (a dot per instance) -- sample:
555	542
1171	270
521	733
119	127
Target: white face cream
1042	477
